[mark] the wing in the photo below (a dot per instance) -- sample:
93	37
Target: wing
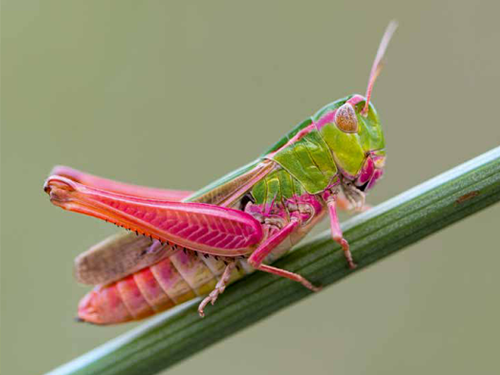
117	257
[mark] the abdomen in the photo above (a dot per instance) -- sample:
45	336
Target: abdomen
178	278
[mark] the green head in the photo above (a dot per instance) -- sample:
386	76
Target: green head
355	139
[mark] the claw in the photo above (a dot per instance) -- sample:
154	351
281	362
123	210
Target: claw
211	298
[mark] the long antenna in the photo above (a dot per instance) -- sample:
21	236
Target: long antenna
377	63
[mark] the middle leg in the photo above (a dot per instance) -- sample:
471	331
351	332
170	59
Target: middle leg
337	235
219	289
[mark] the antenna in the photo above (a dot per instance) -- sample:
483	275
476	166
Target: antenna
377	63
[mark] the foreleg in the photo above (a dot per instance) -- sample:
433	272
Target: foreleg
345	204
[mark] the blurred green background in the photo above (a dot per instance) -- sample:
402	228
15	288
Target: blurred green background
175	94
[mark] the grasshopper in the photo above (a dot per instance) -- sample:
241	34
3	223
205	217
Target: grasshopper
187	244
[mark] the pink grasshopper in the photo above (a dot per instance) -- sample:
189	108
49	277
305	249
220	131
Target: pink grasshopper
188	244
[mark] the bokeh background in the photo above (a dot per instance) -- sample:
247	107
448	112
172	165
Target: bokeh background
175	94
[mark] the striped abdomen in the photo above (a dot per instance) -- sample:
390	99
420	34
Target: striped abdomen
178	278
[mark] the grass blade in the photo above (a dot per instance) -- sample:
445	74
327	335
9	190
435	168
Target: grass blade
167	339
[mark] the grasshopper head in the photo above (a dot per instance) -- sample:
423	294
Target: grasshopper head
359	149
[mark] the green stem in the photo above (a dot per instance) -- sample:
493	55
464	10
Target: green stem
167	339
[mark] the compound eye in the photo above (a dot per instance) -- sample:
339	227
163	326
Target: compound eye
346	119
